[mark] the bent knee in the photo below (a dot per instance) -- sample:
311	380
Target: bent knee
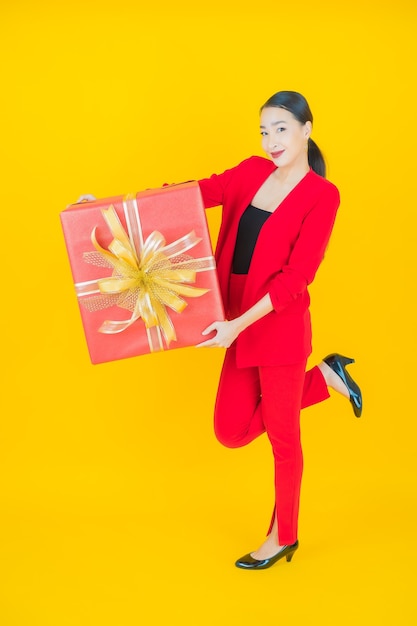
228	439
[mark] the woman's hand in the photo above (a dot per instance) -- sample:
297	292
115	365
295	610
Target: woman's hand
226	333
87	197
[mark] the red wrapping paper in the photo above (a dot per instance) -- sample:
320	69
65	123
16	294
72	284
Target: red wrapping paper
174	211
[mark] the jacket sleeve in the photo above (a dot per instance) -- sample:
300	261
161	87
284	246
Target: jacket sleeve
213	189
308	251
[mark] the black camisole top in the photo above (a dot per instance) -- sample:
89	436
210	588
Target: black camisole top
249	228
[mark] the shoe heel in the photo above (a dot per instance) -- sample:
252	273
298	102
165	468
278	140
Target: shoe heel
345	360
338	362
289	556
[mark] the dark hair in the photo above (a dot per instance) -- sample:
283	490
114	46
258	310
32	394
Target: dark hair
296	104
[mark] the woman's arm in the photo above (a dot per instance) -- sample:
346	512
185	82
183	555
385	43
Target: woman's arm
214	188
226	332
308	251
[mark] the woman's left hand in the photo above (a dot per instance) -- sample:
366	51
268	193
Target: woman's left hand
226	333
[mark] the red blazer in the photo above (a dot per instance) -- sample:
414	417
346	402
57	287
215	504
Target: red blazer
288	252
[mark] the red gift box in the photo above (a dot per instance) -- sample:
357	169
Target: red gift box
143	270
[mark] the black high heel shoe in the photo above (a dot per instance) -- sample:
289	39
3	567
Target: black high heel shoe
248	562
338	363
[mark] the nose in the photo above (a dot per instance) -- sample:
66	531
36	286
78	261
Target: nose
272	144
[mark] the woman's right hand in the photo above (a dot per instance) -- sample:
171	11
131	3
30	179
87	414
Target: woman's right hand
87	197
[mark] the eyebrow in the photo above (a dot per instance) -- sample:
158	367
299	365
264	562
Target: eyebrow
275	123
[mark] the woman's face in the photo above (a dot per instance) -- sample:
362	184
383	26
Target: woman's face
284	138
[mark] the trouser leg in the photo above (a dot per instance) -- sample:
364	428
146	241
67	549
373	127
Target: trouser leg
252	400
238	412
315	388
282	390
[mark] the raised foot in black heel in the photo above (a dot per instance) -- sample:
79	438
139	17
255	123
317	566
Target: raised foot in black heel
248	562
338	362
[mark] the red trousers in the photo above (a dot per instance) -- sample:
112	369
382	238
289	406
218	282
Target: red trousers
254	400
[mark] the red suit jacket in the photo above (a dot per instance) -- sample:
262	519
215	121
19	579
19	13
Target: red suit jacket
288	252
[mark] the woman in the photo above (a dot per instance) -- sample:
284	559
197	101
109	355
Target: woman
278	214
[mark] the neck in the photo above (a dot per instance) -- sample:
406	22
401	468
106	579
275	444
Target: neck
293	173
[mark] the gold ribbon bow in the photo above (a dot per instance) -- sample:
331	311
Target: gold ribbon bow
148	276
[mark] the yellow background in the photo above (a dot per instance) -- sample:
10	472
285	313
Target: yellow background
118	507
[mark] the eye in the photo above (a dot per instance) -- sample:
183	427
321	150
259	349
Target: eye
263	133
280	129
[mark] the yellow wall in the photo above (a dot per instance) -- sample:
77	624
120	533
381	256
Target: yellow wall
117	504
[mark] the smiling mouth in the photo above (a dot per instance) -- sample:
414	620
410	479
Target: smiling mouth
275	155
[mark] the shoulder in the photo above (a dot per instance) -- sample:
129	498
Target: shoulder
256	164
324	188
250	170
225	187
247	168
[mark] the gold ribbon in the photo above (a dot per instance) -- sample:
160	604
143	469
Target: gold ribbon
148	276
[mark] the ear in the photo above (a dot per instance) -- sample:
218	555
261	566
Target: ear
308	127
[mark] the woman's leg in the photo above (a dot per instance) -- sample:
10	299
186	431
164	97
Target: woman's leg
238	416
241	415
315	387
282	393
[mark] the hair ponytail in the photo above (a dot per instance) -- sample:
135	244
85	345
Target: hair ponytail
316	159
296	104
